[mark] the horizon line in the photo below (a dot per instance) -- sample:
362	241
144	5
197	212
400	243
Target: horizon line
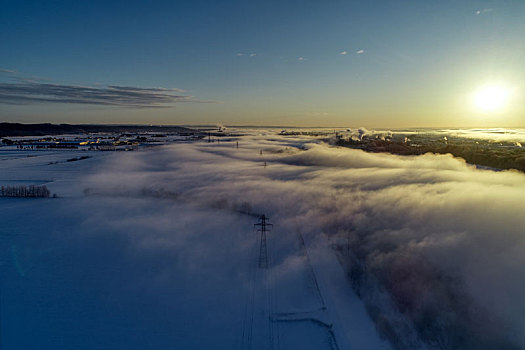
273	126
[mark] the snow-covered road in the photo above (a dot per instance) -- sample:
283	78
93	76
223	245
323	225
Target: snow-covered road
303	300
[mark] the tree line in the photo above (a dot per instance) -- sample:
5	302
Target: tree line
24	191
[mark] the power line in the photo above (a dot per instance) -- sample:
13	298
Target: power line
263	250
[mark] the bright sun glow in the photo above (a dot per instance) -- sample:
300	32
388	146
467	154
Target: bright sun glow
491	98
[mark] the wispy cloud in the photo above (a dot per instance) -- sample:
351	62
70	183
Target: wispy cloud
343	53
301	58
241	54
7	71
479	12
27	91
359	52
14	75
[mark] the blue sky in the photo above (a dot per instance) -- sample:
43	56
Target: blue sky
371	63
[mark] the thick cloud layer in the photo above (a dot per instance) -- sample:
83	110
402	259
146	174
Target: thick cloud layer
443	239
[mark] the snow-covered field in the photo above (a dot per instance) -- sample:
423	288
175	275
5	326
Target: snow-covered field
156	249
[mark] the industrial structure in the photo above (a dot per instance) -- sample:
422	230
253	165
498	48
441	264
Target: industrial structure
263	251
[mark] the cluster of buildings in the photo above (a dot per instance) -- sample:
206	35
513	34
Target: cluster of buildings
121	142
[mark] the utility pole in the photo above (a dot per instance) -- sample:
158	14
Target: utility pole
263	252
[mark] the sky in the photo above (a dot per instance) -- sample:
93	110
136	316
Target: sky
298	63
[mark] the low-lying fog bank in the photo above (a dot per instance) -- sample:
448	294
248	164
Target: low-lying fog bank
432	245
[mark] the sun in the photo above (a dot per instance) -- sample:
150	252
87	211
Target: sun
491	98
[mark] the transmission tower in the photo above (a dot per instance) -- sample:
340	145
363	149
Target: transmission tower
263	252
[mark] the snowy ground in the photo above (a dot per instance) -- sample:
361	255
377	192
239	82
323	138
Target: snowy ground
155	273
157	248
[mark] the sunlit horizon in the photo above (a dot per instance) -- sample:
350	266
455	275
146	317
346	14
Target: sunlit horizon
371	64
